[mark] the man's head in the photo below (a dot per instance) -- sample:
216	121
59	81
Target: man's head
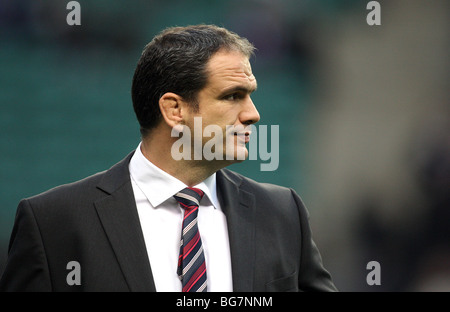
176	61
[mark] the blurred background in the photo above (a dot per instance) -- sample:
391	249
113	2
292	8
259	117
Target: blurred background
363	111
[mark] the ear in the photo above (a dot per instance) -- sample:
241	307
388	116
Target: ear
172	108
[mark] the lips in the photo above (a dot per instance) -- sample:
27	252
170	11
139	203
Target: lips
243	137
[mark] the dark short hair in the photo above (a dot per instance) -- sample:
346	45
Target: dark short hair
176	61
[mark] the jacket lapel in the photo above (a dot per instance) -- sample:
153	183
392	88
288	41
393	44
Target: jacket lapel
239	208
118	214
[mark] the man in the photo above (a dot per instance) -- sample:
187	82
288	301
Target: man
154	222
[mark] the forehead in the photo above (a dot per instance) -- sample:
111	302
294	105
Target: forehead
228	68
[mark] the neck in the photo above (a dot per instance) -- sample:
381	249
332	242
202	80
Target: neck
156	147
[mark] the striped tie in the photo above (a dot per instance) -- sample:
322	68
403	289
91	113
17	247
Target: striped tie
191	262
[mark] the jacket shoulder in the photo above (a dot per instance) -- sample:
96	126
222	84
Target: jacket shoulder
255	186
87	189
69	191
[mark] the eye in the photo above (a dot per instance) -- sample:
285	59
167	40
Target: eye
233	97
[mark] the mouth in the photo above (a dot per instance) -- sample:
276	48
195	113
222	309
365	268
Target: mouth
243	137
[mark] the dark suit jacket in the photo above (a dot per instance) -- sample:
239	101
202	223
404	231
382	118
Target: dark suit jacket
95	222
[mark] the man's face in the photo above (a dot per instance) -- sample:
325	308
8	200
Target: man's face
226	102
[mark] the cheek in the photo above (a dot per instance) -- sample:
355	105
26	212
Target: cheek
219	113
219	117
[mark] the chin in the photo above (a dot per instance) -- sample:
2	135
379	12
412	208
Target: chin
240	154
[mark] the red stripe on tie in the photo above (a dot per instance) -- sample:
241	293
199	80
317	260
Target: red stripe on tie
191	245
196	190
197	275
187	207
187	213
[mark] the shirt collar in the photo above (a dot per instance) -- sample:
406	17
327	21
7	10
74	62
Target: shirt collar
158	185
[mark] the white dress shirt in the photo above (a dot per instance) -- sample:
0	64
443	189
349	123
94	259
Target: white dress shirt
161	221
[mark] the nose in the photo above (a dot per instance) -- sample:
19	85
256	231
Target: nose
249	114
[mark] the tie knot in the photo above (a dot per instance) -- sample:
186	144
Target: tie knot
189	197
